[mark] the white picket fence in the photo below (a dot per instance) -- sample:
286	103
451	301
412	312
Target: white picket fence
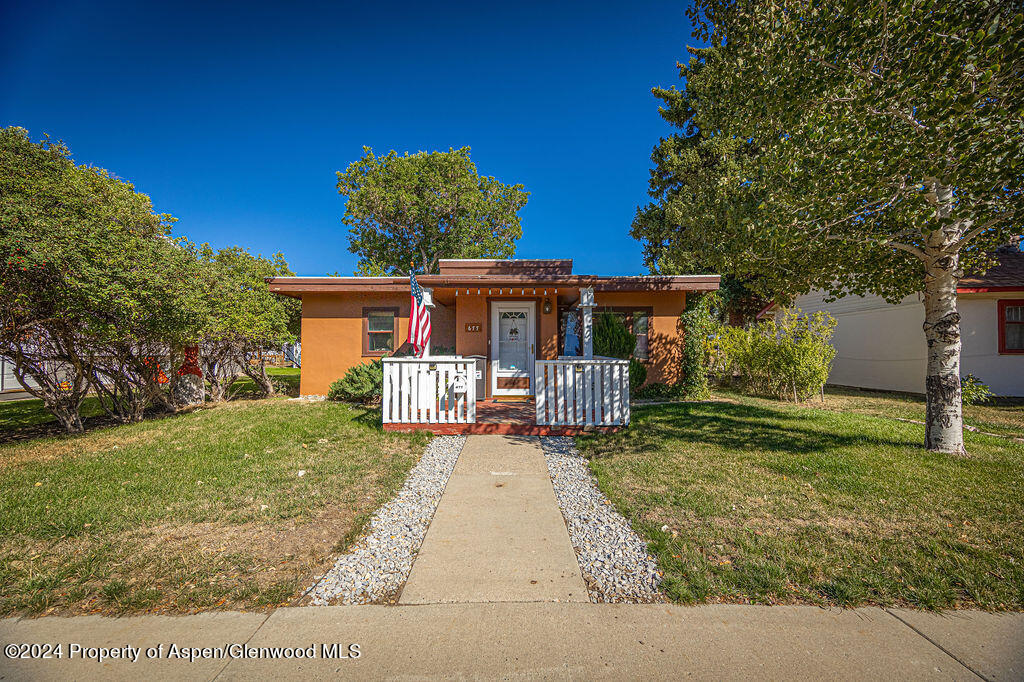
433	390
578	392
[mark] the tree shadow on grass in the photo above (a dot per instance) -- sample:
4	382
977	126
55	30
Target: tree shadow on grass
368	416
737	427
44	425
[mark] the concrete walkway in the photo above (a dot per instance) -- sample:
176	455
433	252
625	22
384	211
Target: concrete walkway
541	640
499	546
497	534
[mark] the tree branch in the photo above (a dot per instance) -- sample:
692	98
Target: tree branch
971	234
909	248
900	115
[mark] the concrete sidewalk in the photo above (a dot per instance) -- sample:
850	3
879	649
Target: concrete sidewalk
545	640
497	534
498	546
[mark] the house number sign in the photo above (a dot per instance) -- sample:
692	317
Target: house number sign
473	327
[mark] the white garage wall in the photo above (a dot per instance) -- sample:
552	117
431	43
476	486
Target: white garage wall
1004	374
877	345
882	346
9	382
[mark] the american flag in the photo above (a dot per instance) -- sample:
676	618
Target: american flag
419	317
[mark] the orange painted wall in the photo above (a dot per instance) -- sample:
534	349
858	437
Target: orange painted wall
471	310
442	327
665	335
332	328
548	330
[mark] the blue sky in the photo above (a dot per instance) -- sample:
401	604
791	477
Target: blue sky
235	117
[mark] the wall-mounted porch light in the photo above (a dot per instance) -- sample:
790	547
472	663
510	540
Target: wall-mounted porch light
547	306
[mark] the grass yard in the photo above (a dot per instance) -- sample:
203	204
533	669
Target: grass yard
200	510
752	500
286	378
26	419
1004	418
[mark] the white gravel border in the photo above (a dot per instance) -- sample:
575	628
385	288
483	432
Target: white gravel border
612	557
379	563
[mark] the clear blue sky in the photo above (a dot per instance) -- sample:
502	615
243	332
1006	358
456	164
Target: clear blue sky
235	117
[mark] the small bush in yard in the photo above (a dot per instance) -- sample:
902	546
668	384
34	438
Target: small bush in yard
659	391
613	340
698	325
974	391
611	337
780	358
637	375
362	383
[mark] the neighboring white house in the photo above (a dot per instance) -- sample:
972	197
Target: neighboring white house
9	385
882	346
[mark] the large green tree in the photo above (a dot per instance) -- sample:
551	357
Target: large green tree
246	320
67	273
426	206
153	309
853	147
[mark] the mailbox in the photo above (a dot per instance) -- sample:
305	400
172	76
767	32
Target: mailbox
480	375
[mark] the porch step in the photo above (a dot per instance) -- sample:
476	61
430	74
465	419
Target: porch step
500	429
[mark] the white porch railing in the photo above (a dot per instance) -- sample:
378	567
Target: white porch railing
433	390
578	392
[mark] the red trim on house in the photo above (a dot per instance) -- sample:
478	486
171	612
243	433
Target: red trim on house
1003	304
503	429
985	290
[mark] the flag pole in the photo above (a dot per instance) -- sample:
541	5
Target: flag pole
428	301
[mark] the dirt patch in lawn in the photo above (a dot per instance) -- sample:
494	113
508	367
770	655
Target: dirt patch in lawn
238	506
188	568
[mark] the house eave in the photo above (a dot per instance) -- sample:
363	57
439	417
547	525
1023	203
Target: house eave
296	286
988	290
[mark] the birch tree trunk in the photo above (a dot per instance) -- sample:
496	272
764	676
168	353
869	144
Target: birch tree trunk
944	428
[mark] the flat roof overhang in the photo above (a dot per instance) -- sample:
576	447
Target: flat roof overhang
296	286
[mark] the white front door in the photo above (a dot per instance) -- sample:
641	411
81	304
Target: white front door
513	354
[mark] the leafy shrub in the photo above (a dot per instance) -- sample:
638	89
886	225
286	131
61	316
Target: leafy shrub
777	358
283	387
362	383
659	391
611	338
698	327
974	391
637	375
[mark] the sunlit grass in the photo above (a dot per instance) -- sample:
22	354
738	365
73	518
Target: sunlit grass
235	505
757	501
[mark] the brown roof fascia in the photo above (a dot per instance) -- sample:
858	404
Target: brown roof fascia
292	286
538	267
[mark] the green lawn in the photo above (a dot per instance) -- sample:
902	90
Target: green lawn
20	415
286	377
199	510
752	500
1002	417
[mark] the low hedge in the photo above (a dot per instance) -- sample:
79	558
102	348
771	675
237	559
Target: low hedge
362	383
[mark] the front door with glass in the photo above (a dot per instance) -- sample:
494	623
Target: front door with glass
513	350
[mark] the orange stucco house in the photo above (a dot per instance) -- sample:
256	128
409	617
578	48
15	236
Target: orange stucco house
510	312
